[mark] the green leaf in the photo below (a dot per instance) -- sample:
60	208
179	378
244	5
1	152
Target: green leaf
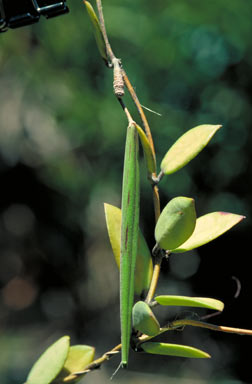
144	266
208	228
97	30
50	363
144	320
187	147
173	350
176	223
202	302
79	357
148	154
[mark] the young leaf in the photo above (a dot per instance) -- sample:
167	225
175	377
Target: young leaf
208	228
78	358
144	320
97	31
144	266
201	302
148	154
187	147
173	350
129	237
50	363
176	223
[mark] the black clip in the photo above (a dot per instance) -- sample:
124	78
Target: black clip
17	13
50	8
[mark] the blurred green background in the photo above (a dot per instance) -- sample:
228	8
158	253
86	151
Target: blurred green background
61	156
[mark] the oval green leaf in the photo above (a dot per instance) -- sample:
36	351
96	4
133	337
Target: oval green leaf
208	228
144	320
144	266
50	363
176	223
173	350
79	357
97	30
187	147
148	154
201	302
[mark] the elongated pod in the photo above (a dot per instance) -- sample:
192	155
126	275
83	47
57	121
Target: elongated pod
129	236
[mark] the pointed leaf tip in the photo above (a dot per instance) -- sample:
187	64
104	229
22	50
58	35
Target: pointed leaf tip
208	228
174	350
198	302
97	30
187	147
148	153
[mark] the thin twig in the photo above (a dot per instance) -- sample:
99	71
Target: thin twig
140	110
96	363
104	32
212	327
155	277
170	327
126	111
194	323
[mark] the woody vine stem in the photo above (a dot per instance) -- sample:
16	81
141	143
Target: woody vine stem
120	80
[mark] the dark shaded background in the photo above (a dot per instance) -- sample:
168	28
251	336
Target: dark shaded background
61	156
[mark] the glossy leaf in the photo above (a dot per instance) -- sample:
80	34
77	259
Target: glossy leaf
176	223
144	320
208	228
50	363
144	266
173	350
148	154
202	302
97	30
187	147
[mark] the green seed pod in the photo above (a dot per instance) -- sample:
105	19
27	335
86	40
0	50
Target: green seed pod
144	320
176	223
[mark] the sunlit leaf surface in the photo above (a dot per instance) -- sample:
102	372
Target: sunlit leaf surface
187	147
50	363
208	228
173	350
203	302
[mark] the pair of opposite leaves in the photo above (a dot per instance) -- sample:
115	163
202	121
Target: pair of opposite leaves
60	363
190	233
144	321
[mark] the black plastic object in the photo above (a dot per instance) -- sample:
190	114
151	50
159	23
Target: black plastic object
17	13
